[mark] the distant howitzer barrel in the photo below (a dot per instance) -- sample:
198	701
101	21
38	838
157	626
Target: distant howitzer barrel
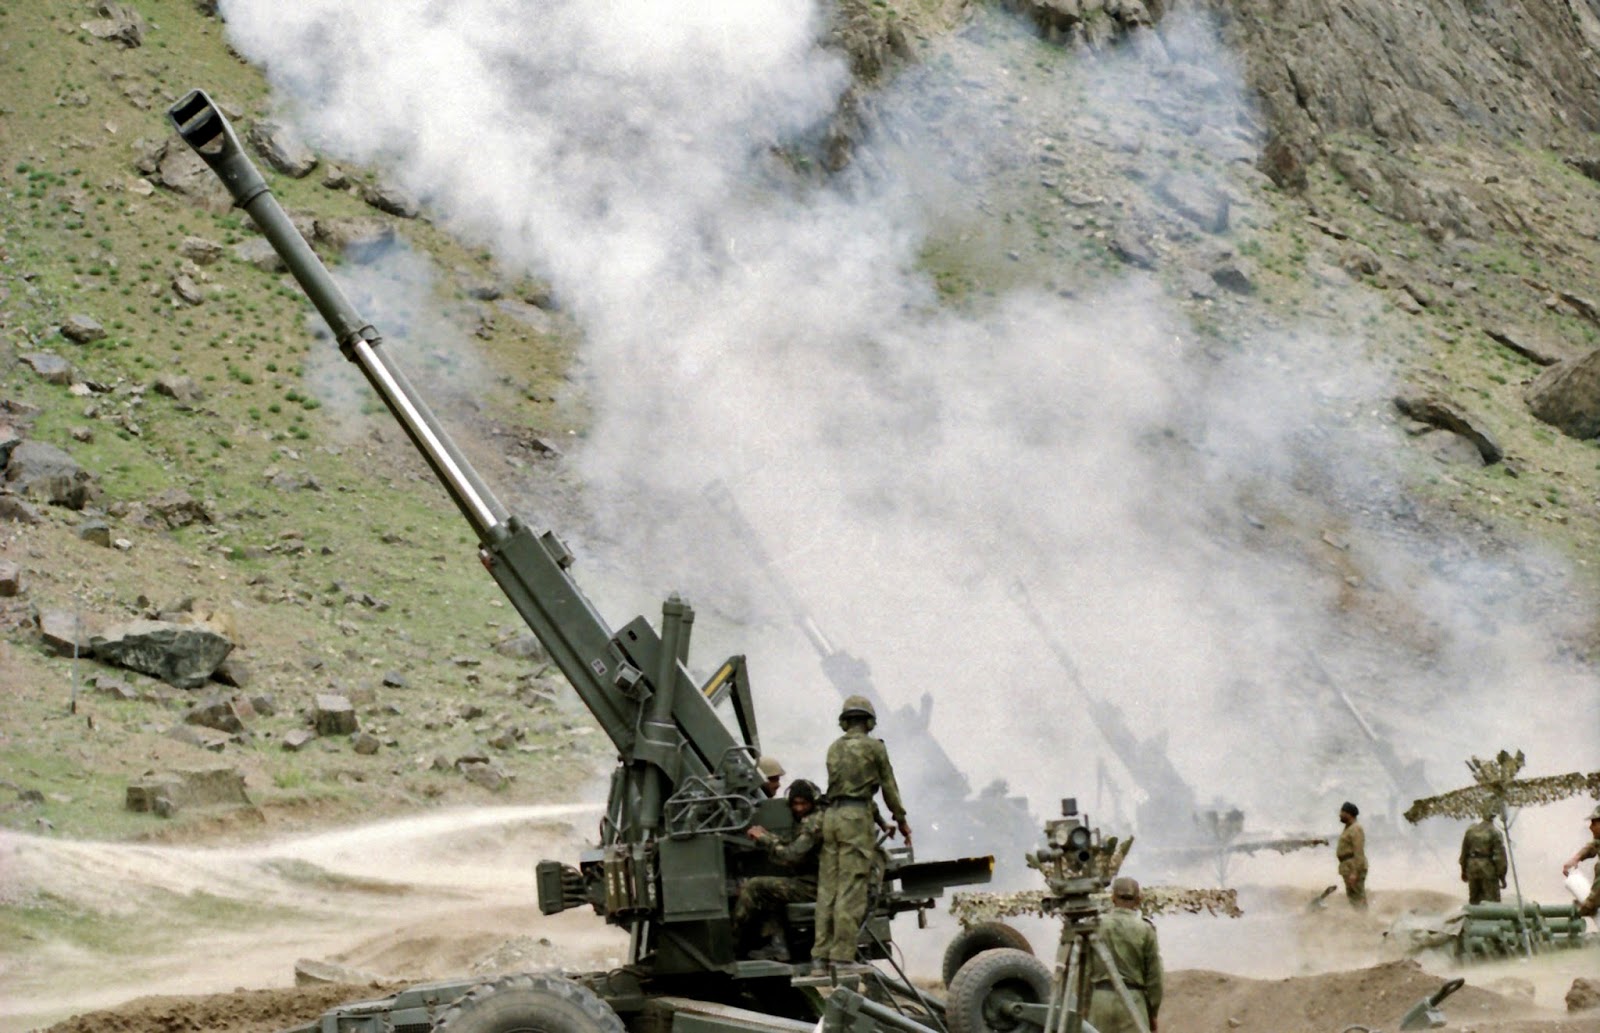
1527	910
634	683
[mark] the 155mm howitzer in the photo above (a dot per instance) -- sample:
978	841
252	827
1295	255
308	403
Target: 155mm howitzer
992	817
671	850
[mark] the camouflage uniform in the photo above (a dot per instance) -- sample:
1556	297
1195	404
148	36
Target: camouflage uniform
1483	862
858	768
1591	903
1352	854
1131	940
762	899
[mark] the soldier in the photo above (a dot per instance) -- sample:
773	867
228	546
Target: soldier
762	899
1591	903
1483	860
772	774
1130	939
858	768
1352	854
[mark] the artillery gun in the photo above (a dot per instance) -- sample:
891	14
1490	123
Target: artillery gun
1170	817
965	819
685	787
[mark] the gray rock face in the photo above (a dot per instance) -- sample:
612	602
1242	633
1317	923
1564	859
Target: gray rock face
1439	412
259	253
199	250
44	472
282	148
66	633
1567	396
182	655
1372	65
178	386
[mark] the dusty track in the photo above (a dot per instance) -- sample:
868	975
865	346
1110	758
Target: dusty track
168	938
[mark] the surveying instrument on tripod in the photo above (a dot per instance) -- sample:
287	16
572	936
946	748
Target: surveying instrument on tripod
1076	863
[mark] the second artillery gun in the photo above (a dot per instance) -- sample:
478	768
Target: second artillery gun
965	821
671	848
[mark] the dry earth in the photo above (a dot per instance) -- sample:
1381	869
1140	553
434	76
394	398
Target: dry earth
206	936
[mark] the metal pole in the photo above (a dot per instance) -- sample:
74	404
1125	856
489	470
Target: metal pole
1516	884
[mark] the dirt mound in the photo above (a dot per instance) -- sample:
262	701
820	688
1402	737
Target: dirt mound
1197	1002
243	1011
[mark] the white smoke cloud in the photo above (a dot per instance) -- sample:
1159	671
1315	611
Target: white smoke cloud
906	461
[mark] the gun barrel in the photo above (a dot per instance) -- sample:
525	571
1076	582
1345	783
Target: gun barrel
204	128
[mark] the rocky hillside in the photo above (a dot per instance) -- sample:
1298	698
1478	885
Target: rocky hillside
214	549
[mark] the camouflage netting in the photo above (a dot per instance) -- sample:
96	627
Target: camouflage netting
1499	787
970	908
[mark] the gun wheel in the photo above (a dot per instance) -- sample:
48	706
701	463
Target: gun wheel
985	991
977	938
529	1003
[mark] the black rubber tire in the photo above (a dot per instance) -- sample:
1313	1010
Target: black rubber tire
529	1003
977	938
987	983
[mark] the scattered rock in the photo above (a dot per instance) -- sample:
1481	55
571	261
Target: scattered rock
176	508
187	290
1196	200
484	774
66	633
522	647
10	579
282	148
41	471
394	680
334	715
364	743
18	511
1438	412
82	329
53	369
188	787
258	252
387	197
224	713
1529	346
1131	246
1567	396
199	250
353	234
1583	995
178	386
200	736
333	178
97	532
117	24
297	739
182	655
235	672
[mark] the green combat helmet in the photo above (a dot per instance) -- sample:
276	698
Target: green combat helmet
858	706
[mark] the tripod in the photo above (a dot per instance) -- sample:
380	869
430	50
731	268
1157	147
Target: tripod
1072	986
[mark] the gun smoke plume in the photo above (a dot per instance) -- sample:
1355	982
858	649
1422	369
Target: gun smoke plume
1220	534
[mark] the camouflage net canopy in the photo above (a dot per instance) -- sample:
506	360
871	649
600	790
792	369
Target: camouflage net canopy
1498	787
971	908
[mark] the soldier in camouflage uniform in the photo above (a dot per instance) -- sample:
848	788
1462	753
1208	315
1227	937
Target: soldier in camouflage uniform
762	899
1352	854
858	769
1130	939
1483	860
1591	904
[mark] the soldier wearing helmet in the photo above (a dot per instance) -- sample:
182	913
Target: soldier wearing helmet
1483	860
858	770
771	774
1591	904
762	899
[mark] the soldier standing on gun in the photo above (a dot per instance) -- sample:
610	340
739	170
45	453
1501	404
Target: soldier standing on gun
1483	860
858	768
1352	854
1130	939
1590	904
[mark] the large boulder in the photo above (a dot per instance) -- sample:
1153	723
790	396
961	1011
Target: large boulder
1567	396
167	792
45	472
183	655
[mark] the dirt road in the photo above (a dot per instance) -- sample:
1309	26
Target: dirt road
165	938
